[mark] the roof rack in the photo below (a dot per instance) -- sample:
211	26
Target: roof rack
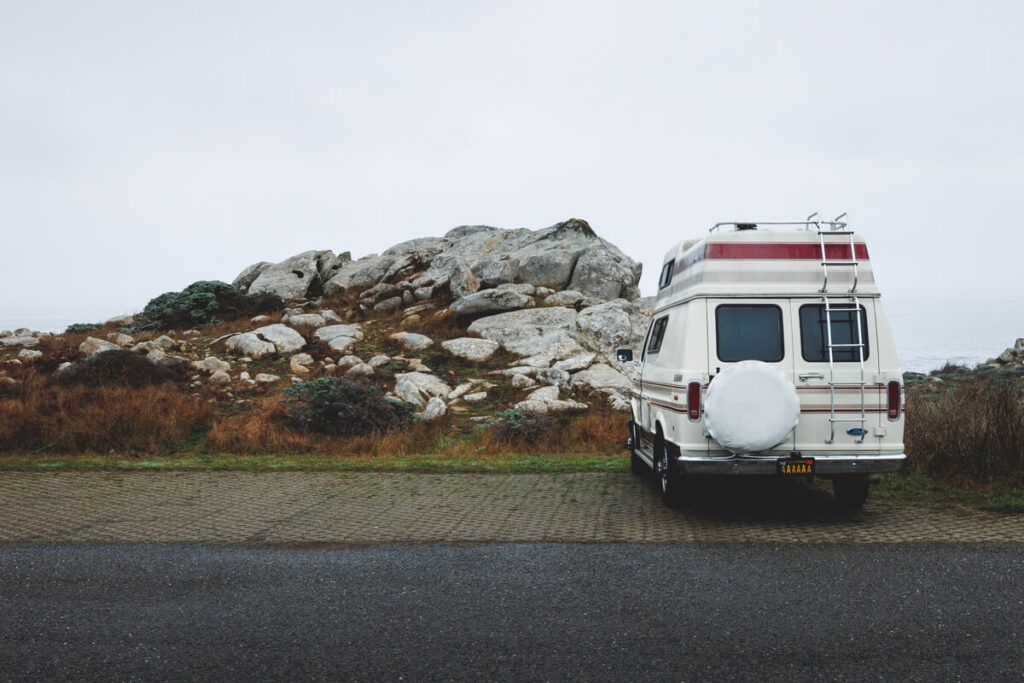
812	222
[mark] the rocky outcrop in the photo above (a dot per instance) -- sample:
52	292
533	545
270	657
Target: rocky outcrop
266	340
467	260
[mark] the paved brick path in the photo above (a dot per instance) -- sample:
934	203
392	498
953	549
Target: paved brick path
358	508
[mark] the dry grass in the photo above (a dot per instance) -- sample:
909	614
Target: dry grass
40	416
973	433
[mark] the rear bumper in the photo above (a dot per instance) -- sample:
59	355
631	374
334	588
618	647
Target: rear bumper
823	464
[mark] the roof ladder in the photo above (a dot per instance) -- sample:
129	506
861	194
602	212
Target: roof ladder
835	227
844	306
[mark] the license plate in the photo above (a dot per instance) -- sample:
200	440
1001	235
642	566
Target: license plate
795	467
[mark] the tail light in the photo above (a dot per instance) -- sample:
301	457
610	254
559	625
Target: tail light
893	395
693	400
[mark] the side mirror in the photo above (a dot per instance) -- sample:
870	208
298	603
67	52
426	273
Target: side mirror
624	355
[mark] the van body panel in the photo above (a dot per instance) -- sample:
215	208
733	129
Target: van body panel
720	295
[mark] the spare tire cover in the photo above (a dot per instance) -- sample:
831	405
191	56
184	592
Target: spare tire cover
751	407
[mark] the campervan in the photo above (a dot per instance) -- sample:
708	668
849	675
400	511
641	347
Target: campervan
768	354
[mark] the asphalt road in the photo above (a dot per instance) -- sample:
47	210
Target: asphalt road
512	612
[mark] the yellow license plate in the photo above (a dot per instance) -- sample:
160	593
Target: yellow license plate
795	467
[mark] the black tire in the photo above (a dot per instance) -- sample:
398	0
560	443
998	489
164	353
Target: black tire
850	492
670	479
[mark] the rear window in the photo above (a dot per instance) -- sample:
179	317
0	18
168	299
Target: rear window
814	338
749	332
657	335
666	274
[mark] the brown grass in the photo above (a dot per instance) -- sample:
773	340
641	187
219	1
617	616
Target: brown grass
971	433
599	430
40	416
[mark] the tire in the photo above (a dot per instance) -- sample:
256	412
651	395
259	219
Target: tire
850	492
670	479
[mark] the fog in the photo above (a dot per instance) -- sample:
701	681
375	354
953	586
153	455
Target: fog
144	146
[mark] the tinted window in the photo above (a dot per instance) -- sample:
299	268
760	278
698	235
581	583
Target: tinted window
657	334
749	332
666	274
814	338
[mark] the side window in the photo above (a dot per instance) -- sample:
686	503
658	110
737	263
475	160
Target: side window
657	334
749	332
814	337
666	274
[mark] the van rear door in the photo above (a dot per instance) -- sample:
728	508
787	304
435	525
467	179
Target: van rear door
831	395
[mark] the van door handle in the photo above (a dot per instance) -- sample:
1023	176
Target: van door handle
812	375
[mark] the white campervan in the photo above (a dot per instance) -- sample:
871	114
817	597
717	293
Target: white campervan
768	354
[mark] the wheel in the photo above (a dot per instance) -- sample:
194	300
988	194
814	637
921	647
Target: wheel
851	492
670	479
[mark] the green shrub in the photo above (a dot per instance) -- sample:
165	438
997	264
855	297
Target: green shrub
516	427
81	327
206	302
119	368
336	405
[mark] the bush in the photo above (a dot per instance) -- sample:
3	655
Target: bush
973	431
118	368
206	302
336	405
516	427
78	328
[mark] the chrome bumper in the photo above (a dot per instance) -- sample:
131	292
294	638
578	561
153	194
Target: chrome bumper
823	464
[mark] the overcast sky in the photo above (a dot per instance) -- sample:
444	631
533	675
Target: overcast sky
145	145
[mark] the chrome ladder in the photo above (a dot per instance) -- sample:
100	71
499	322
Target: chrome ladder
847	302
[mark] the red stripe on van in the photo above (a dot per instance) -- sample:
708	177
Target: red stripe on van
799	251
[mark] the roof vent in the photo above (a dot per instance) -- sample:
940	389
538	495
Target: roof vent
746	226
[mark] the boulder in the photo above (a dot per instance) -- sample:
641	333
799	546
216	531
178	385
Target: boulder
248	344
349	361
93	345
379	361
123	320
412	341
220	378
264	378
558	378
29	354
121	339
306	319
580	361
475	397
532	331
359	370
606	326
602	377
211	364
434	409
459	390
388	305
289	279
331	331
300	363
605	273
570	298
470	348
523	382
249	275
502	298
19	340
284	338
411	387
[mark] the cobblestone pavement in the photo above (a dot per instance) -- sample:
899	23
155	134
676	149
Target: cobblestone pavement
361	508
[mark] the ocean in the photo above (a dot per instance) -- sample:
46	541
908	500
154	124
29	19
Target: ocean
928	331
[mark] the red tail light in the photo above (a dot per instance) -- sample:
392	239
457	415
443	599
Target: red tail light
693	400
893	395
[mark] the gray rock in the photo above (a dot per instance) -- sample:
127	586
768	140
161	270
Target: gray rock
24	332
604	273
349	361
1007	356
307	319
606	326
300	363
522	381
331	331
220	378
470	348
341	279
29	354
580	361
475	397
330	316
532	331
122	320
290	279
412	387
379	361
249	275
93	345
602	377
531	406
19	340
121	339
284	338
260	319
388	305
544	394
461	281
434	409
248	344
459	390
211	364
559	378
265	378
412	341
492	301
359	370
1018	348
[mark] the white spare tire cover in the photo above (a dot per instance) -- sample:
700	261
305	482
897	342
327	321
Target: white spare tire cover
751	407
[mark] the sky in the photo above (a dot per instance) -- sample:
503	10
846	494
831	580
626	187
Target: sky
146	145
